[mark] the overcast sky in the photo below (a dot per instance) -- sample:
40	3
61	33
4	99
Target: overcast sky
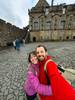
16	11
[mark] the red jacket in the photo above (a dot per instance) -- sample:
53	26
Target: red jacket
62	90
43	80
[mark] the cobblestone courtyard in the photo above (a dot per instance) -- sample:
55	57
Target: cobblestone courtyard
13	66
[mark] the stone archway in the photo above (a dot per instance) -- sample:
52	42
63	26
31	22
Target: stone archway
34	39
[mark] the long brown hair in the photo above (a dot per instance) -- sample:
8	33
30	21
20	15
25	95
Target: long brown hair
29	56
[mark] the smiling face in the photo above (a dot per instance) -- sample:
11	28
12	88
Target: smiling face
41	53
33	59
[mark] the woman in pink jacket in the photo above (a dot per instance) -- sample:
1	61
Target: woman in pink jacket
32	86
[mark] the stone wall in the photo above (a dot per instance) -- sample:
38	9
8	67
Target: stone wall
9	32
56	35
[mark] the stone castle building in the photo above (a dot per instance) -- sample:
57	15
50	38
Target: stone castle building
55	22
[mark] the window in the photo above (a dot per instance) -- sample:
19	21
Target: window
55	24
36	26
63	24
69	25
46	11
63	10
70	22
42	23
48	25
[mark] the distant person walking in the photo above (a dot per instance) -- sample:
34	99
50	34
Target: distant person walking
17	44
14	44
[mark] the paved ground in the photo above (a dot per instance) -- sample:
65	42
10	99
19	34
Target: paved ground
13	66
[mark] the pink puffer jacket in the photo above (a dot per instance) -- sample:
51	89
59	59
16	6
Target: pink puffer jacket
32	85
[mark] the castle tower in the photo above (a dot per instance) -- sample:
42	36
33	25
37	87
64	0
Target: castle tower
42	3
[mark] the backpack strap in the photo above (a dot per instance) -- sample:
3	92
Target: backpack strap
59	66
48	81
62	70
46	64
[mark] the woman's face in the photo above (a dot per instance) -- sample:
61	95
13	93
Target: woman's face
33	59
